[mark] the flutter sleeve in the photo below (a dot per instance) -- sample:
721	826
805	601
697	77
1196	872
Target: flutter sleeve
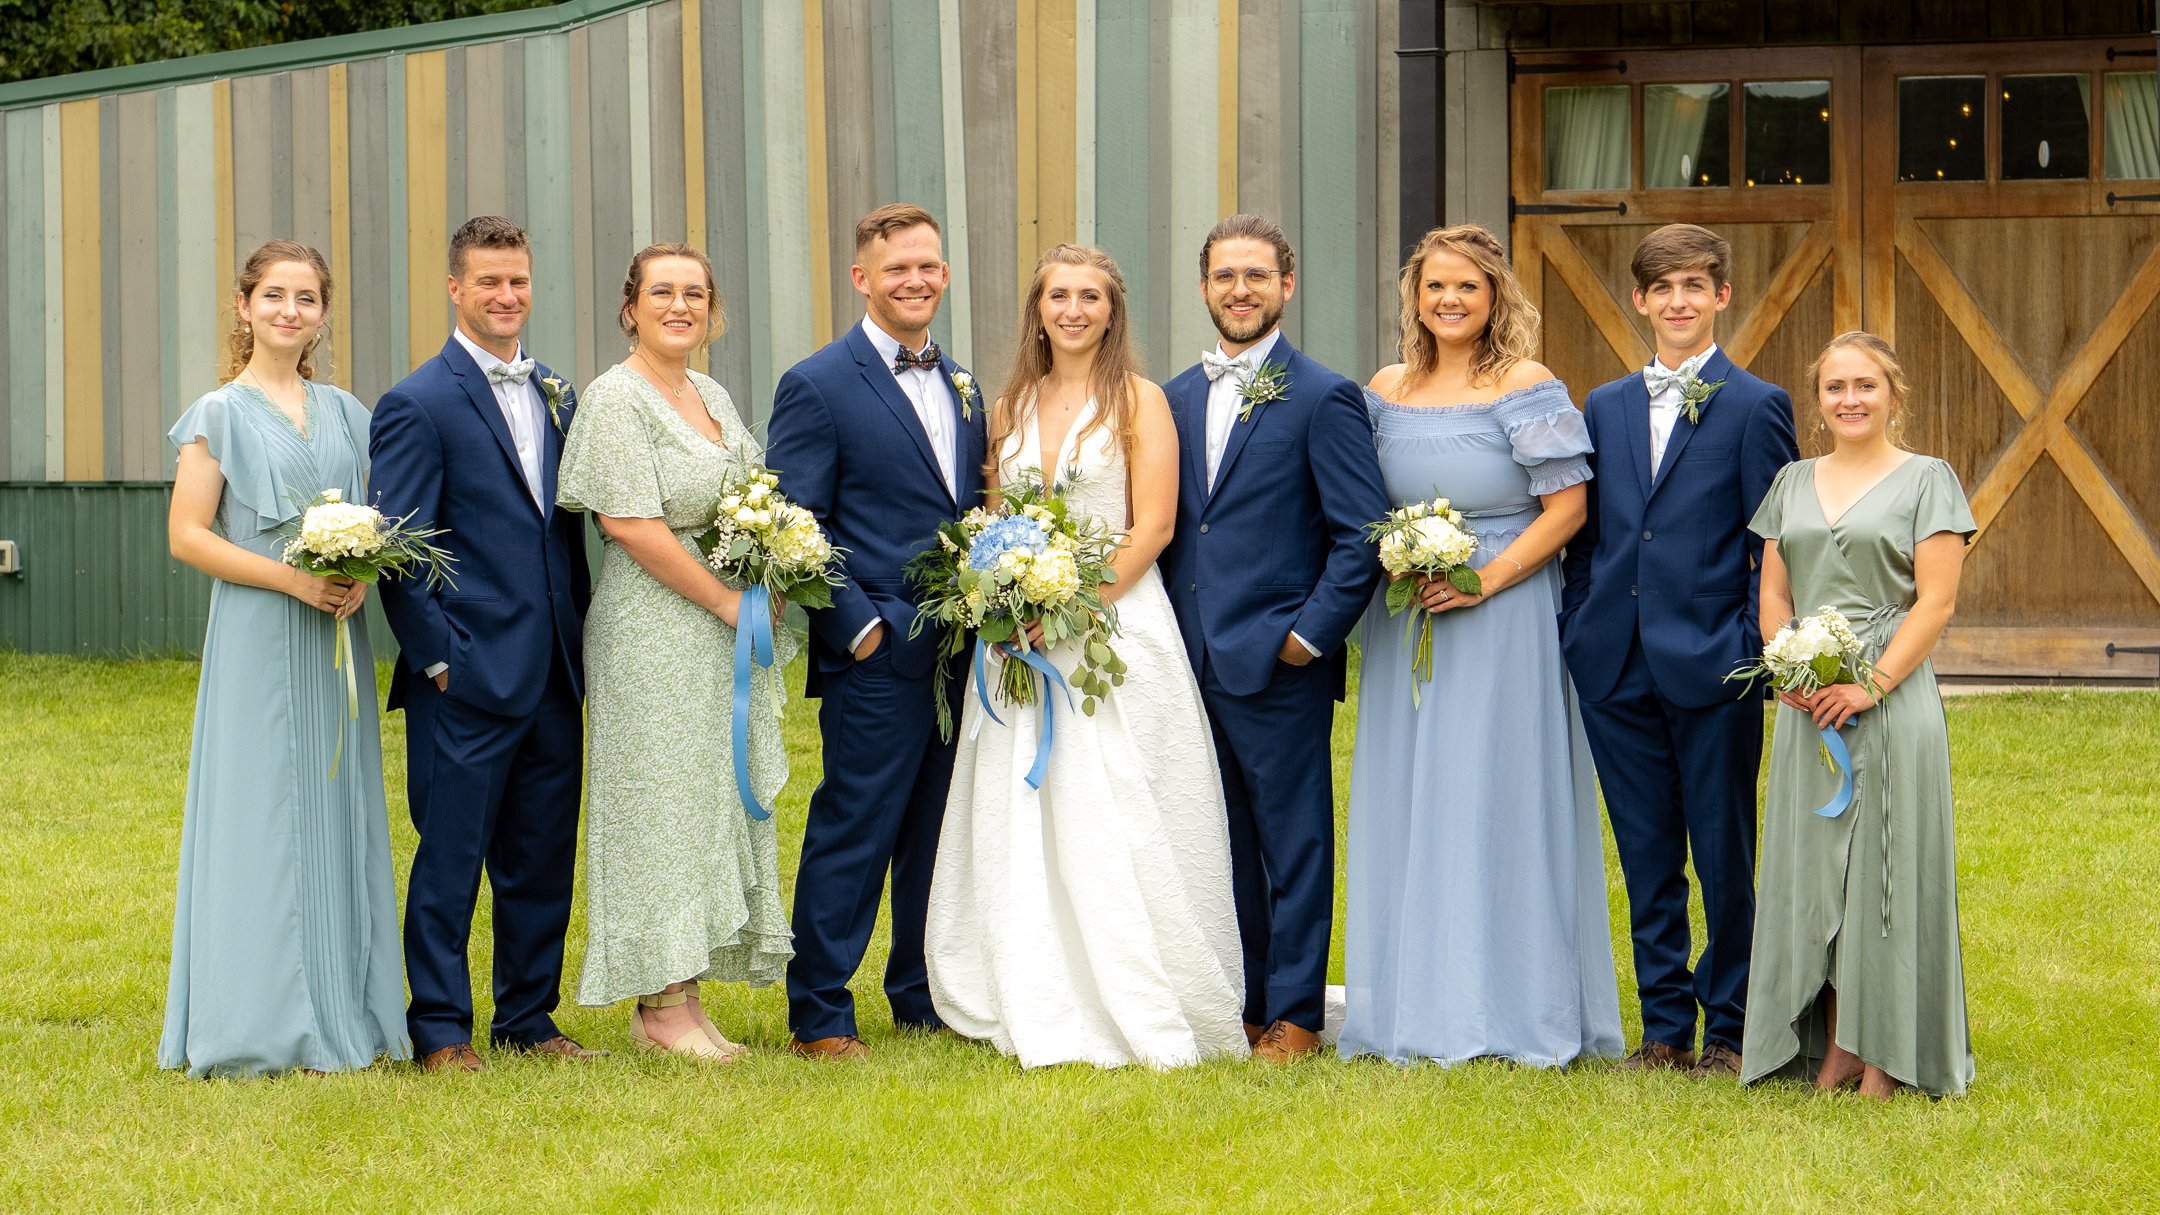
607	462
254	501
1769	520
1941	506
1547	434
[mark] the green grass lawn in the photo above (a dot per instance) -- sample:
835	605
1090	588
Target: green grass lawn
2059	846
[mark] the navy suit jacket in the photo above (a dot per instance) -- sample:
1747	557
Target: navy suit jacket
1669	558
847	445
1279	546
443	457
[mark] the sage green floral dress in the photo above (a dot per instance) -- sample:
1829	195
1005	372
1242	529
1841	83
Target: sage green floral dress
680	882
1866	901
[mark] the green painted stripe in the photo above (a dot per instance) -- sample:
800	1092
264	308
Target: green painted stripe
989	95
1289	165
55	290
581	204
1194	127
547	201
914	54
289	56
667	210
111	376
132	401
195	288
10	400
1084	121
786	165
952	114
374	277
886	150
1123	119
728	187
633	91
281	155
757	187
396	358
1328	297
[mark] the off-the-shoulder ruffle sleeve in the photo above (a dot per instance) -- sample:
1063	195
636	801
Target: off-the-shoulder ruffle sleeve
1547	434
1769	520
607	461
256	503
1941	505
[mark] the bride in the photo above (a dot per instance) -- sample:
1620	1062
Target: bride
1091	921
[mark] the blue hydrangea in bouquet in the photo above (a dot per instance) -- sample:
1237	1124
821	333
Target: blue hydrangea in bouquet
994	570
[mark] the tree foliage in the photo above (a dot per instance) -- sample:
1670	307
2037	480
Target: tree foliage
55	37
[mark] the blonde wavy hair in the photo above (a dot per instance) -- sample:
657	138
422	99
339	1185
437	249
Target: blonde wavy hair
1510	335
240	339
1116	362
1885	357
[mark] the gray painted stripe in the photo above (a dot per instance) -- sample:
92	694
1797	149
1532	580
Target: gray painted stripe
55	290
582	201
308	163
917	118
1289	167
634	89
282	154
132	316
785	161
110	375
1122	126
664	125
989	93
398	359
170	303
1193	122
886	149
9	305
1329	300
727	203
1084	121
852	127
479	153
960	305
252	160
547	201
1260	107
375	277
613	226
510	93
457	120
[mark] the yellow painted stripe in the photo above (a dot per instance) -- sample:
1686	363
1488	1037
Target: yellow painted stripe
1226	109
821	303
1056	151
693	100
1027	203
427	202
341	311
82	292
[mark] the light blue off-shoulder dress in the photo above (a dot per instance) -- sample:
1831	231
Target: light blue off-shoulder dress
285	938
1477	917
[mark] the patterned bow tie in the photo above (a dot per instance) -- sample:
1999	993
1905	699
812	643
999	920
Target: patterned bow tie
510	373
926	361
1217	366
1657	379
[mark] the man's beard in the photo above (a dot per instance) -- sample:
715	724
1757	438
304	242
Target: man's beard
1263	319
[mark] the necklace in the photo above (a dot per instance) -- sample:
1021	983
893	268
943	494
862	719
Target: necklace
660	381
252	380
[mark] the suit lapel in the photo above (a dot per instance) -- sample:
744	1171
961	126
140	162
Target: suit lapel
552	438
880	377
1683	430
1241	430
968	427
1635	415
482	397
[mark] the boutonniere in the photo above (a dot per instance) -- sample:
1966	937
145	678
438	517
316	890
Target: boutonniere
1261	387
553	389
1696	393
964	385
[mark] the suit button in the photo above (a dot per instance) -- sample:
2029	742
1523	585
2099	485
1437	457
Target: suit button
1195	586
1631	590
1646	535
1203	529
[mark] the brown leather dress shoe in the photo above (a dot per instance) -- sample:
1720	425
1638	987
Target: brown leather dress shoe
1656	1056
1717	1059
1285	1043
459	1058
839	1046
1253	1033
562	1047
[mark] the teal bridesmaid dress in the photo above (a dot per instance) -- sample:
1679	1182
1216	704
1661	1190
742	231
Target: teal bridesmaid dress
285	942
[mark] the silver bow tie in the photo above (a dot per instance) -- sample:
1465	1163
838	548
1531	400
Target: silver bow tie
511	373
1218	366
1657	379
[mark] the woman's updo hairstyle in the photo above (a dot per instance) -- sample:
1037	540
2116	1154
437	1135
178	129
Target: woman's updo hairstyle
634	282
240	341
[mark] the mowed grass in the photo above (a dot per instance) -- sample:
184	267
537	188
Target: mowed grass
2059	845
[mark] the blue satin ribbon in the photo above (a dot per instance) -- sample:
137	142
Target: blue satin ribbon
1834	743
1050	676
753	645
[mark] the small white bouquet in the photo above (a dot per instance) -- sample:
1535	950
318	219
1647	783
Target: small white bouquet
1806	656
1428	539
336	538
759	538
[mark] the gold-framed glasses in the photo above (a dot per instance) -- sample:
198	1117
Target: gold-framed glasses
665	297
1256	279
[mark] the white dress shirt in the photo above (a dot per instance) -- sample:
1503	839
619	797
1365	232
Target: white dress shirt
523	411
1665	406
1224	402
933	403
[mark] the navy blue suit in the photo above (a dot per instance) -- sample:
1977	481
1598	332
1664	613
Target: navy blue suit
1277	547
494	765
1660	604
847	445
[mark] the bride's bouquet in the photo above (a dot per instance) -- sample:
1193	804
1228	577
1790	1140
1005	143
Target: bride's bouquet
1429	539
1806	656
776	551
1033	558
334	537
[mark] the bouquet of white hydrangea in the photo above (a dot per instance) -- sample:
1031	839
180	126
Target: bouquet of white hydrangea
759	538
336	538
1428	539
1032	559
1806	656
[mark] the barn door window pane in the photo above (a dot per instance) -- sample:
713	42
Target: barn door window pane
2131	124
1787	132
2046	127
1942	128
1686	131
1586	137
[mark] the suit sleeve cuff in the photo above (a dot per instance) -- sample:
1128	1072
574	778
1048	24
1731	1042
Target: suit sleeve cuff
1310	648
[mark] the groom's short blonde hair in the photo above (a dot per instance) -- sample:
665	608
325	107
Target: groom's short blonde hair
889	220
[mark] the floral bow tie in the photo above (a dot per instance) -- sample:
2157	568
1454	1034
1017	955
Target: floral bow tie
926	361
1657	379
1217	366
510	373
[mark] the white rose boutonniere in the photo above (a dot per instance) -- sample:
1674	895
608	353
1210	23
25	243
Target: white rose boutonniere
554	389
964	384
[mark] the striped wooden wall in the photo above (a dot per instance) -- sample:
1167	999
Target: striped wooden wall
759	131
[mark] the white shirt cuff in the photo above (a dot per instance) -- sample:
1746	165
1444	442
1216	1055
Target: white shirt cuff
1309	646
857	643
436	669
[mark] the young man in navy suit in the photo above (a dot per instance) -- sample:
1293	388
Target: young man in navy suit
489	671
1660	604
1268	570
881	436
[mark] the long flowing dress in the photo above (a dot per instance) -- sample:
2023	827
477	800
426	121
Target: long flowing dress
1091	921
1866	901
680	882
285	935
1477	918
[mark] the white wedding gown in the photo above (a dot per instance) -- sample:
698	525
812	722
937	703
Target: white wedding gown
1091	921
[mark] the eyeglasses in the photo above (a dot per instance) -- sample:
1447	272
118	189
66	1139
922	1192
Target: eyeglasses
665	297
1255	278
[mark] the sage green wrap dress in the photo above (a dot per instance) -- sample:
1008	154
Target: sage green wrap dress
1866	901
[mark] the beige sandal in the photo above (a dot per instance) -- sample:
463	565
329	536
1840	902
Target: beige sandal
734	1049
694	1043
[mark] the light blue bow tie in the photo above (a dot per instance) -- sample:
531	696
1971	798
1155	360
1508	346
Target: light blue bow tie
1217	366
1657	379
510	373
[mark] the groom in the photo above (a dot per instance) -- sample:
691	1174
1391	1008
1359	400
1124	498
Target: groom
1660	604
1268	571
489	670
881	437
